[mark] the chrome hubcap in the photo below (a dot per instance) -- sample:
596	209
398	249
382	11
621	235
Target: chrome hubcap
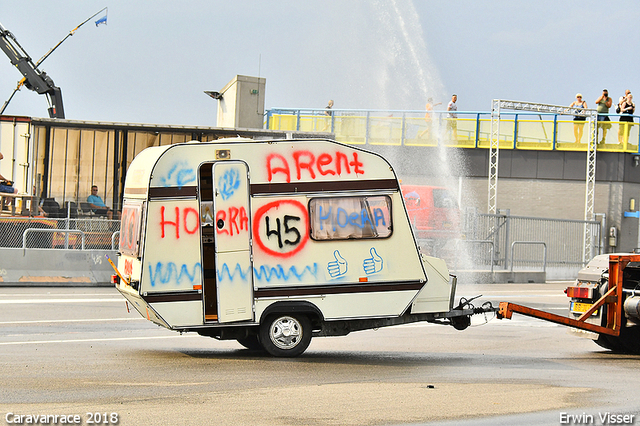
285	332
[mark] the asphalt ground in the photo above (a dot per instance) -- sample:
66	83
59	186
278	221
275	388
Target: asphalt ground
77	351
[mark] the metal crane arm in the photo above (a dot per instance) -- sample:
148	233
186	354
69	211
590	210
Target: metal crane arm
34	79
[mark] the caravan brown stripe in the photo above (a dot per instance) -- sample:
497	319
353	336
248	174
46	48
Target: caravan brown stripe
323	185
279	188
293	291
182	296
336	289
171	192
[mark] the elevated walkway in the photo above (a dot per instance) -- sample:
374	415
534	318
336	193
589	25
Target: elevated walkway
518	130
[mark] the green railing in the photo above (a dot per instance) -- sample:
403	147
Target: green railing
518	130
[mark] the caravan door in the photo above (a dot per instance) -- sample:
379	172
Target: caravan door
234	268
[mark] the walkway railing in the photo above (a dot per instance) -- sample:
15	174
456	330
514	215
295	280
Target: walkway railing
46	233
471	129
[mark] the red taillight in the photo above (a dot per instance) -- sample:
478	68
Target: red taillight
115	279
579	292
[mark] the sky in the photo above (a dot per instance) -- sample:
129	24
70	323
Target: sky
153	61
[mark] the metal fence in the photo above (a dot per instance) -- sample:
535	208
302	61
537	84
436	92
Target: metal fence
502	241
40	232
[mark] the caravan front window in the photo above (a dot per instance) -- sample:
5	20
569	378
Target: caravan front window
343	218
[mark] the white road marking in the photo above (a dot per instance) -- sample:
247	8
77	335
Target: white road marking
55	294
33	301
114	339
70	320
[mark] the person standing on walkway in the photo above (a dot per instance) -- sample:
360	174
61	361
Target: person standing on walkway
427	116
329	113
603	103
622	98
579	117
452	119
627	108
328	108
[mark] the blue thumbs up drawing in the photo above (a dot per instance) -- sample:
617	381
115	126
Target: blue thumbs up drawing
373	264
337	267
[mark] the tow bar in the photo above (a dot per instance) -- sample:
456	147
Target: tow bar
613	298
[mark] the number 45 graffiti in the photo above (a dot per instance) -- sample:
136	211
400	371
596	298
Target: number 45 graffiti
278	231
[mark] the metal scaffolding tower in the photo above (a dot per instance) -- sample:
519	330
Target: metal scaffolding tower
494	148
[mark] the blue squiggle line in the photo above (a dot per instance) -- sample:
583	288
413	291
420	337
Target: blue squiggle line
278	272
224	271
166	274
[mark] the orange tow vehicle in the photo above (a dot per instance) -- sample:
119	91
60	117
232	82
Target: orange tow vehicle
604	305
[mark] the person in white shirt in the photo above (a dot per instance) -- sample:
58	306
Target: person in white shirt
452	120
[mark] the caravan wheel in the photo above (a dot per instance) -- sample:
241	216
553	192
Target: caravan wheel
251	342
285	335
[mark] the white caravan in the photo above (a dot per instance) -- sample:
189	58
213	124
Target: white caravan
273	242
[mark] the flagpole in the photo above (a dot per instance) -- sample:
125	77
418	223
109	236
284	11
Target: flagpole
41	60
68	35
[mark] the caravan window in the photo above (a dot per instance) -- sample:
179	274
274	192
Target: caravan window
131	227
343	218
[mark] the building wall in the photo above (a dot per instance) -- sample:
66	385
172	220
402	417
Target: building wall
550	184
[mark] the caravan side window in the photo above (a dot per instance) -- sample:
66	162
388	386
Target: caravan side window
131	227
343	218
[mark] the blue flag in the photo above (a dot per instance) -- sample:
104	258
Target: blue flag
102	20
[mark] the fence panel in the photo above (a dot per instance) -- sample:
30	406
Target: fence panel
25	232
528	243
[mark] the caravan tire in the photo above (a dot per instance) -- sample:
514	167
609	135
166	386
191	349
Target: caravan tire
251	343
628	342
285	335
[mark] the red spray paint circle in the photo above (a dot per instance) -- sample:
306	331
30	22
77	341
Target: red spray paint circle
275	205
